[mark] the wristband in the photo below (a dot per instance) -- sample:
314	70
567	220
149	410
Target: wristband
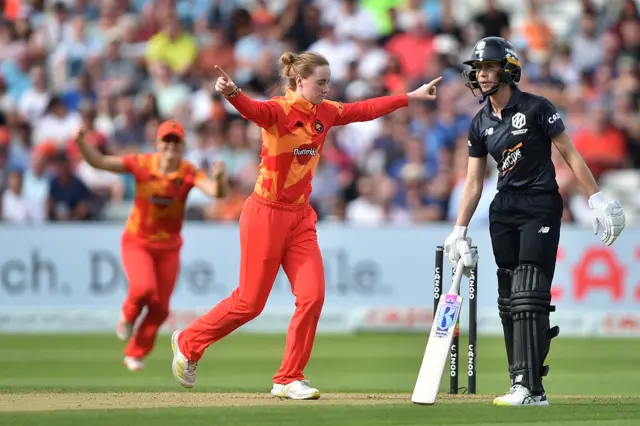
233	94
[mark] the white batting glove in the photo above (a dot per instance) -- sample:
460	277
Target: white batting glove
459	233
469	256
458	245
608	218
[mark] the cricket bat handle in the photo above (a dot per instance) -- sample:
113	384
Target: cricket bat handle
457	278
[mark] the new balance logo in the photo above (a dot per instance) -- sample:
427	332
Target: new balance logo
543	230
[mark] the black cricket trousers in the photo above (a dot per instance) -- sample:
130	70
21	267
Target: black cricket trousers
525	229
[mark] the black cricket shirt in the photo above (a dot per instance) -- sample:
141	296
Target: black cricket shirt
520	142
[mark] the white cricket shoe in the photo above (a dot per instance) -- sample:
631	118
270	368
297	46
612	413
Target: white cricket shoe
124	330
518	396
133	364
183	370
298	389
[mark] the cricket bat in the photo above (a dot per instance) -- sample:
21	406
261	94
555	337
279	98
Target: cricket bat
439	343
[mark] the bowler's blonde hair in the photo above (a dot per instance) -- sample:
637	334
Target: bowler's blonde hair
302	64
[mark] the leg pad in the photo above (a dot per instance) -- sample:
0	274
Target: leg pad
530	308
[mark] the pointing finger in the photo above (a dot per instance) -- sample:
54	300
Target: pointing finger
434	82
223	74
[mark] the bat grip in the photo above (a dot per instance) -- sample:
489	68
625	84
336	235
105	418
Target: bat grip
455	288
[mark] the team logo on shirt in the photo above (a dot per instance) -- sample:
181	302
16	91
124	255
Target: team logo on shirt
518	120
510	157
319	126
178	182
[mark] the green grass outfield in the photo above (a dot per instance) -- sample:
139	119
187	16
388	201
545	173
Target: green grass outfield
364	379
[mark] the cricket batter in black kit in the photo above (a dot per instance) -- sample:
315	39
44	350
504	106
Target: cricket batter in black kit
517	129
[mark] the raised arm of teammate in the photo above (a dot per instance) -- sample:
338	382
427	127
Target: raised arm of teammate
215	187
95	158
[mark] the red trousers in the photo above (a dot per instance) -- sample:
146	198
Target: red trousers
152	275
271	234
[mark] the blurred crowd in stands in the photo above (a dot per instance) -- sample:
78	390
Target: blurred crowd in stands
122	66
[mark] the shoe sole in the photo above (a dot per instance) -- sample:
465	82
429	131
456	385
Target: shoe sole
285	395
500	403
174	348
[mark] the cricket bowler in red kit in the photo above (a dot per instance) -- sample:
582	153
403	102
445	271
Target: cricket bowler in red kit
277	223
152	240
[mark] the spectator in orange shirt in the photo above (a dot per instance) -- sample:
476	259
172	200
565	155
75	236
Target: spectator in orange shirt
11	9
414	49
216	51
152	239
537	33
602	145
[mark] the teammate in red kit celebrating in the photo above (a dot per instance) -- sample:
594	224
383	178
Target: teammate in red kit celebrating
277	224
151	240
